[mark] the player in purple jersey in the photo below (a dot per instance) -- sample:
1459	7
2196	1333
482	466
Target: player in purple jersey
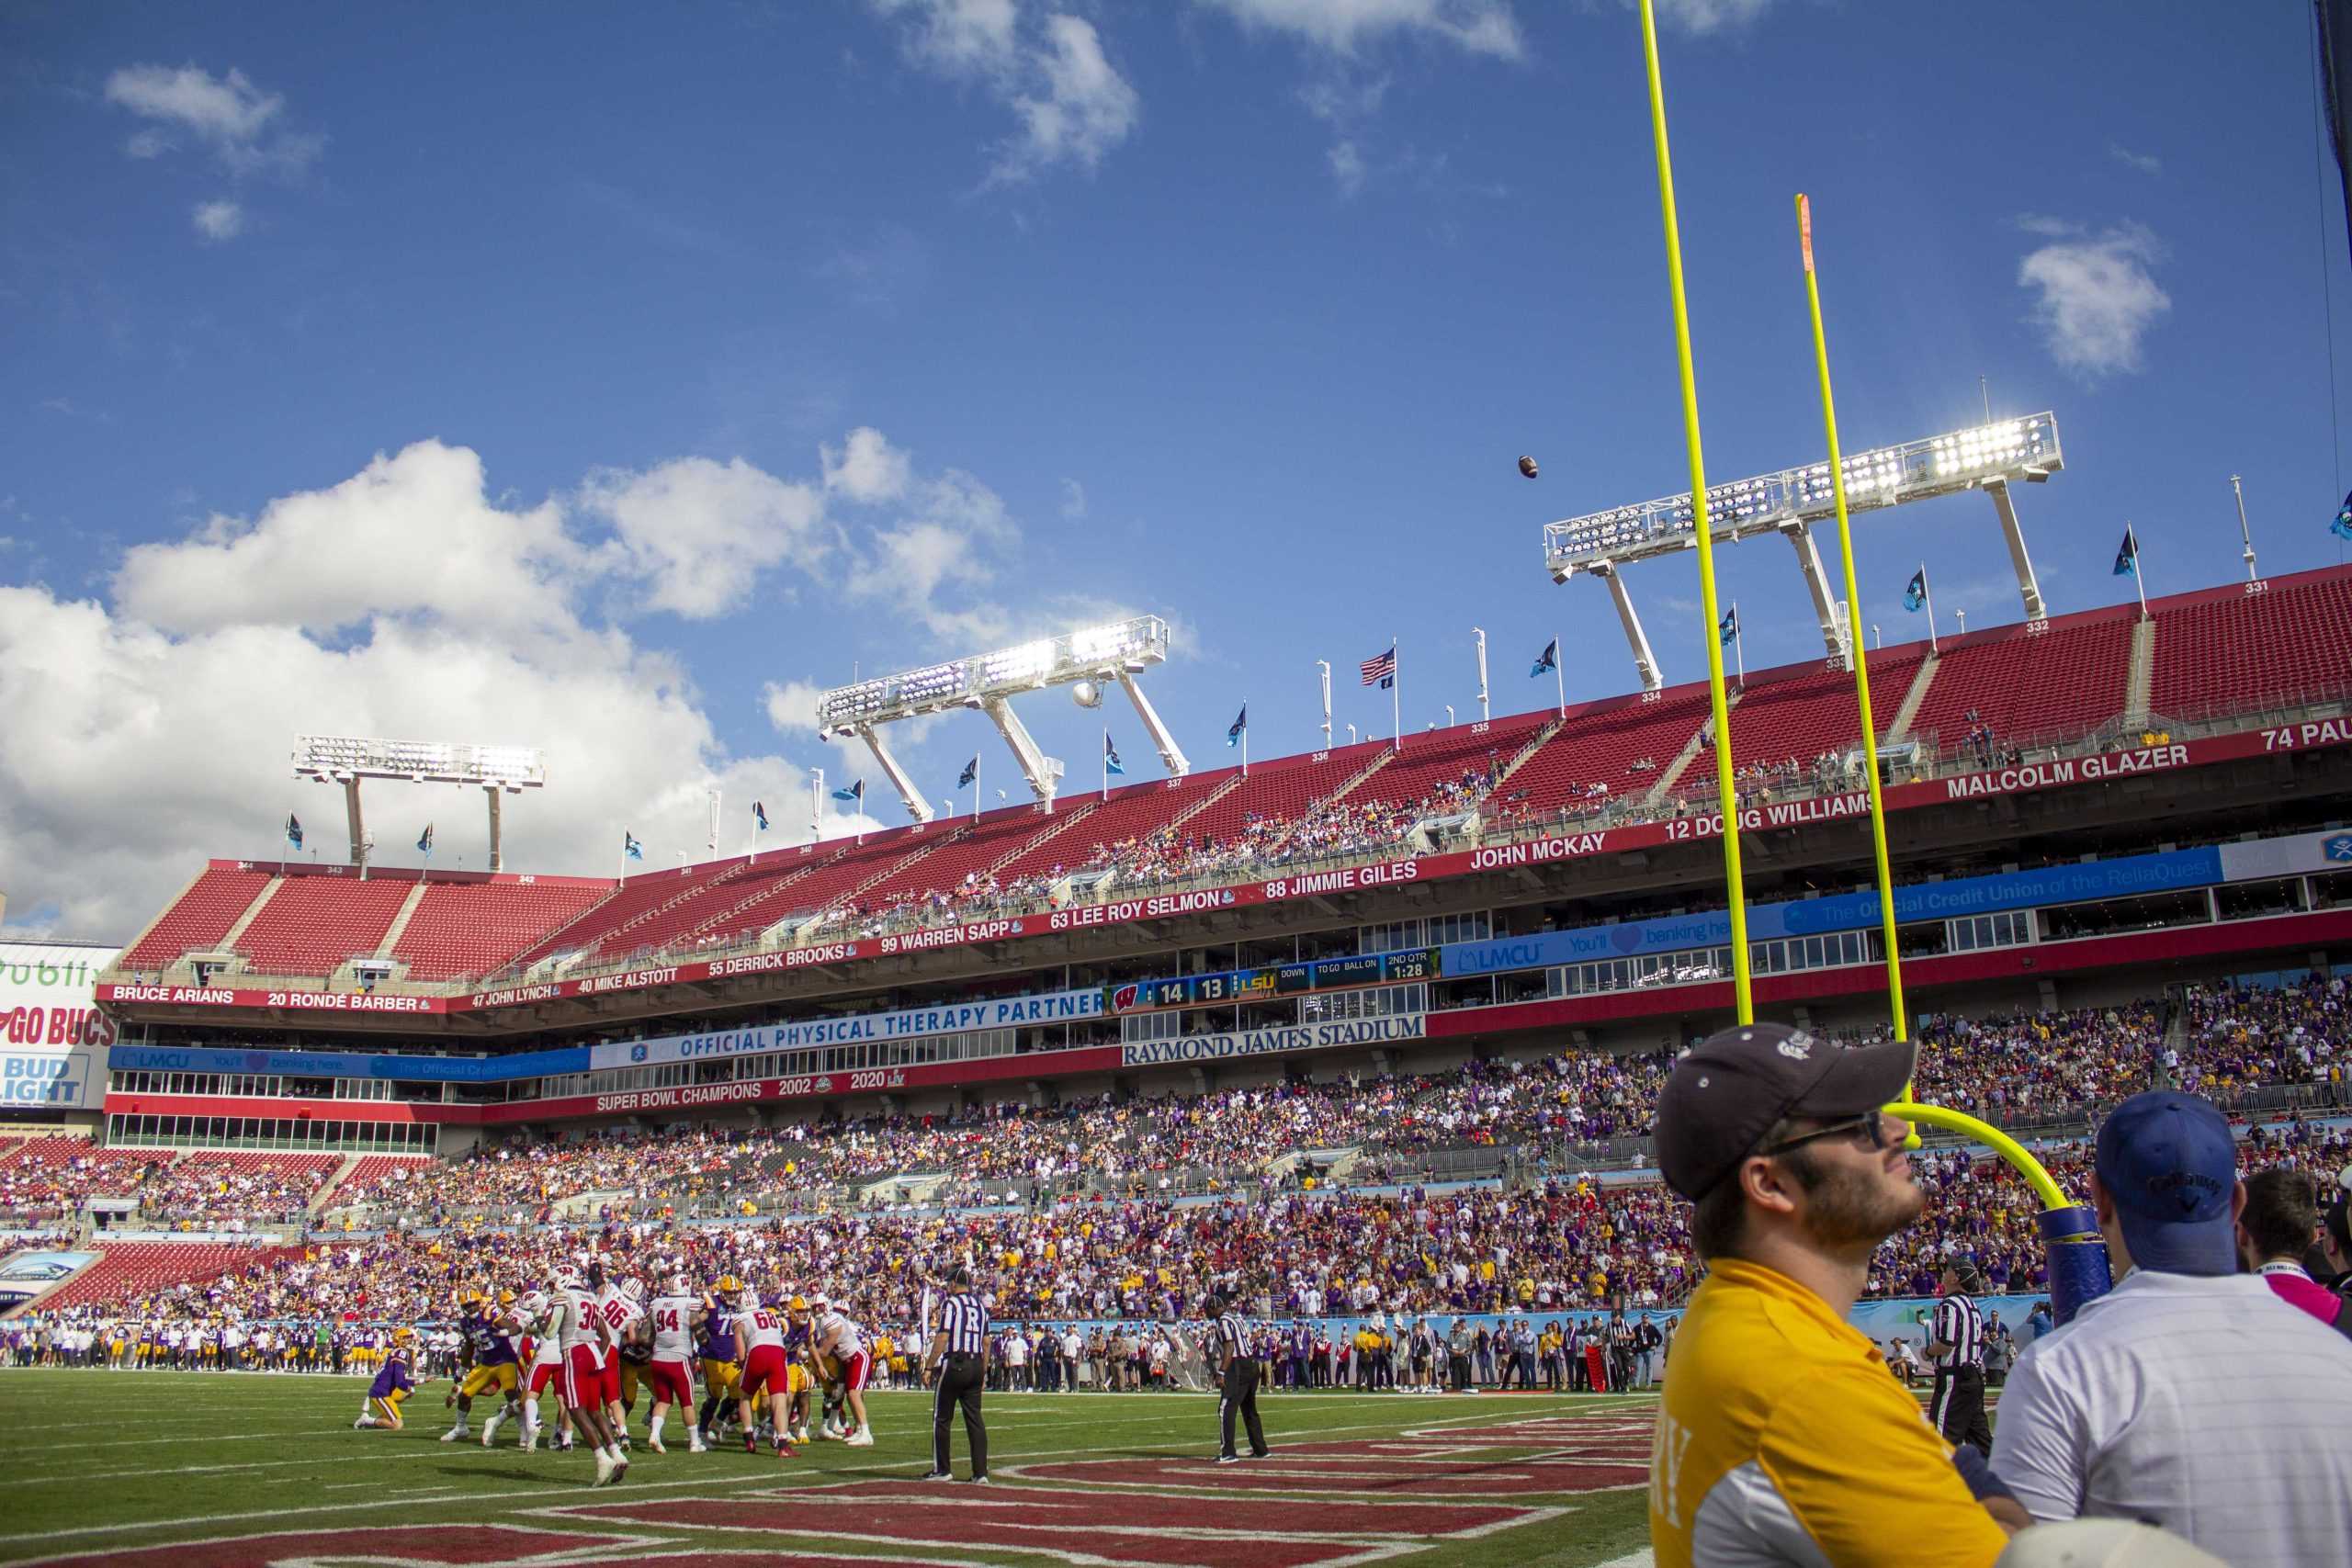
392	1384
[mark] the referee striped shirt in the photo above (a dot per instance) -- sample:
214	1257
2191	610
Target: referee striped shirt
965	1323
1960	1325
1232	1337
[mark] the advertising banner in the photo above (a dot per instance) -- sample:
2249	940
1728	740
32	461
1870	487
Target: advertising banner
54	1039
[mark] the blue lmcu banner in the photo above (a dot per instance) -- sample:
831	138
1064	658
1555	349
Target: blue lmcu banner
2072	884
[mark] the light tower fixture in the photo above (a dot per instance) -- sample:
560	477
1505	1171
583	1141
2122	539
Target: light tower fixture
1989	457
498	771
1089	658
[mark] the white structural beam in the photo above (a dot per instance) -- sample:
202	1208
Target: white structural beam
1816	584
1638	640
1172	756
918	806
2022	563
1043	773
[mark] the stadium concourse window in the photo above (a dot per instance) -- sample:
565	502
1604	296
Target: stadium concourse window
2114	917
2006	929
1437	931
1378	1001
2253	900
2332	890
272	1132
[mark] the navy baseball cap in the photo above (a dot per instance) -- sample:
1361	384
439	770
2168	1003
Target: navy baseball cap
2168	1162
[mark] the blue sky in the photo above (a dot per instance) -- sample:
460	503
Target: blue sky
611	384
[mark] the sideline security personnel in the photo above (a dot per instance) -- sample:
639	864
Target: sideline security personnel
1781	1438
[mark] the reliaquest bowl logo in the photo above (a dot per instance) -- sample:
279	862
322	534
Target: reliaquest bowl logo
2338	849
637	1053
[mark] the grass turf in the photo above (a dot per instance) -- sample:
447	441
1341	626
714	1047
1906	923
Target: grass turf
106	1463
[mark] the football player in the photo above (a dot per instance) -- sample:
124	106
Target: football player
545	1358
392	1384
677	1313
623	1305
762	1336
838	1341
721	1355
487	1324
587	1341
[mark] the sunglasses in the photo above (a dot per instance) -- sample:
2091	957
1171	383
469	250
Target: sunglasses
1868	1130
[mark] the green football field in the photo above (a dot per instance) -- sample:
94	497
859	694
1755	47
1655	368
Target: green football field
190	1469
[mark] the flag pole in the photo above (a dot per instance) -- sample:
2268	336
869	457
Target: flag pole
1559	673
1740	644
1734	889
816	808
1858	656
1928	593
1245	737
1106	762
2139	578
1396	693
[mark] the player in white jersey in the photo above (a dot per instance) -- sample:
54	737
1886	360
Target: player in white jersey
622	1313
760	1333
546	1370
587	1344
676	1315
839	1338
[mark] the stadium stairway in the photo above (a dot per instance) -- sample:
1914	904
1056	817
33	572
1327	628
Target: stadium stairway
319	1199
401	920
2141	680
1671	774
1908	709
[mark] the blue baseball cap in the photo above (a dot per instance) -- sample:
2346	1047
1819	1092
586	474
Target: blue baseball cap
2170	1165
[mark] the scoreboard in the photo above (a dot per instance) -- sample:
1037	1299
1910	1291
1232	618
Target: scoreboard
1275	980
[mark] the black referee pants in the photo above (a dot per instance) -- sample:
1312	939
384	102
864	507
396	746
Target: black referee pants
959	1383
1240	1396
1957	1408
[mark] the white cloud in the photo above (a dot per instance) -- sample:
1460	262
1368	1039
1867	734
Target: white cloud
934	560
2146	163
1710	16
867	469
218	220
1481	27
1086	107
792	705
1347	167
1072	103
2096	297
239	121
165	716
1073	500
698	532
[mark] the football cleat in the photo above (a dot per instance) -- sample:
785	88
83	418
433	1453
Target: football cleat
697	1447
603	1469
938	1475
620	1470
861	1438
655	1445
453	1433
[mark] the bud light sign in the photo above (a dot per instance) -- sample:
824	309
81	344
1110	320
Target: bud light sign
55	1082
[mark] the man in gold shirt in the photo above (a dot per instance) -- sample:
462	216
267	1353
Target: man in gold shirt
1782	1438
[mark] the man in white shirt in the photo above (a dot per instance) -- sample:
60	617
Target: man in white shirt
2190	1395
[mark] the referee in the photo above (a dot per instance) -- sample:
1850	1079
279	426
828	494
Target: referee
1238	1383
1957	1407
959	1353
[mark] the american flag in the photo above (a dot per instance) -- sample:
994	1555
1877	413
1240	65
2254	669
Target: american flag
1381	669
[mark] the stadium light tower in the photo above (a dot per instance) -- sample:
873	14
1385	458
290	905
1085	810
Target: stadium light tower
1989	457
346	760
1085	660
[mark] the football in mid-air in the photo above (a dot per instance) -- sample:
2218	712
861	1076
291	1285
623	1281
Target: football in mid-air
1526	467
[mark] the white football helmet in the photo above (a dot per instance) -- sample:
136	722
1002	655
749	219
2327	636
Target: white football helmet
567	1278
634	1288
535	1305
679	1287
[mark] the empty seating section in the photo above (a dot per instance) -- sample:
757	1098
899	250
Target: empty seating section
313	923
634	900
1800	716
200	919
762	895
1605	744
472	928
831	882
1447	757
1132	813
1280	789
133	1270
2026	686
669	923
2290	642
999	834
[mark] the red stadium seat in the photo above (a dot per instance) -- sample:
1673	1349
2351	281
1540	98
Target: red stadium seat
198	919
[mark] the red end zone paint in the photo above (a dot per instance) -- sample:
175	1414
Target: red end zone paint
1095	1527
472	1544
1353	1470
